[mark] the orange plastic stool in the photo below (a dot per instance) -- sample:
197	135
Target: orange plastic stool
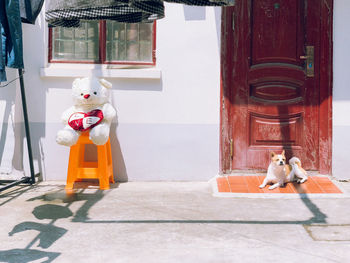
79	169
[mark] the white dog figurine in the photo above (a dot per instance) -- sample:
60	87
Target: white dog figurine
91	112
279	173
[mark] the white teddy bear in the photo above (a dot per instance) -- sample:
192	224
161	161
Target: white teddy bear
91	111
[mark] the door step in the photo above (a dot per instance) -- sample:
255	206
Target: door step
249	184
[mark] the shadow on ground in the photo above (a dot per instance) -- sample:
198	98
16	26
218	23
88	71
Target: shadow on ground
27	255
48	233
81	215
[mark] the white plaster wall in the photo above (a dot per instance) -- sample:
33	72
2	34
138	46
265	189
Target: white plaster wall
341	90
168	128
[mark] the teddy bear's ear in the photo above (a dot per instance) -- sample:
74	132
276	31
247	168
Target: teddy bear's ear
105	83
76	82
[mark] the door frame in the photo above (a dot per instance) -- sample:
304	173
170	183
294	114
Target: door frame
326	86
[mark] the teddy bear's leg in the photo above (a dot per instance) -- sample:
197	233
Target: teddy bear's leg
99	134
67	136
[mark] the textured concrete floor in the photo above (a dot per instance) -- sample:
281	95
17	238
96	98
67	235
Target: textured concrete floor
169	222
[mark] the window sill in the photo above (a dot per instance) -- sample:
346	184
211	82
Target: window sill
103	71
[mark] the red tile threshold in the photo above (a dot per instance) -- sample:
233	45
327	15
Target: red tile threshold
250	184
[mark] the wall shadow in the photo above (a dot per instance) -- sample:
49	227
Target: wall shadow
5	124
218	15
194	13
13	137
36	95
13	149
140	84
137	84
285	133
119	168
8	124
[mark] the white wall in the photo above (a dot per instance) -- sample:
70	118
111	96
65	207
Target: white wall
168	127
341	90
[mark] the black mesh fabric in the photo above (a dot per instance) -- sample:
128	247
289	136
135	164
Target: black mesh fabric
69	13
30	10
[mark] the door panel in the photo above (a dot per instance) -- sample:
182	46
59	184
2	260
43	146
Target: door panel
268	130
275	23
274	104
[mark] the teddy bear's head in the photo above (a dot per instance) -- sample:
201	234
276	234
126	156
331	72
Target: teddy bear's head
90	91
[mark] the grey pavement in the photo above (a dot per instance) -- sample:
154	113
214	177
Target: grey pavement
169	222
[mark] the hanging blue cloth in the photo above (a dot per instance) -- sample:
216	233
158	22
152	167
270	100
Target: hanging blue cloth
11	36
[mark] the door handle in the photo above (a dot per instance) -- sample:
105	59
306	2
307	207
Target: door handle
309	61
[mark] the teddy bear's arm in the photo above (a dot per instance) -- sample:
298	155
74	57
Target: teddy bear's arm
109	112
66	114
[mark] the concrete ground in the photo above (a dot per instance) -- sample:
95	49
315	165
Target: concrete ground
169	222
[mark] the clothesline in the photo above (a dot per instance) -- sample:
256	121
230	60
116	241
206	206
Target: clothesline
13	80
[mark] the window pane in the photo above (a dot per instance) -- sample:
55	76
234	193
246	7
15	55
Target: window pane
115	42
129	42
145	51
132	43
76	44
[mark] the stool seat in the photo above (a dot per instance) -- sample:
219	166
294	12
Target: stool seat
79	169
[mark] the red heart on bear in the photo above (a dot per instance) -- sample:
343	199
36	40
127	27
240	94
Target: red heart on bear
81	121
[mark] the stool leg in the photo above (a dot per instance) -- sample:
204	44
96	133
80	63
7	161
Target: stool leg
109	153
102	167
110	164
72	166
81	160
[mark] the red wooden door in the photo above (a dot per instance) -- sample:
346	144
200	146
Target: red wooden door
274	103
